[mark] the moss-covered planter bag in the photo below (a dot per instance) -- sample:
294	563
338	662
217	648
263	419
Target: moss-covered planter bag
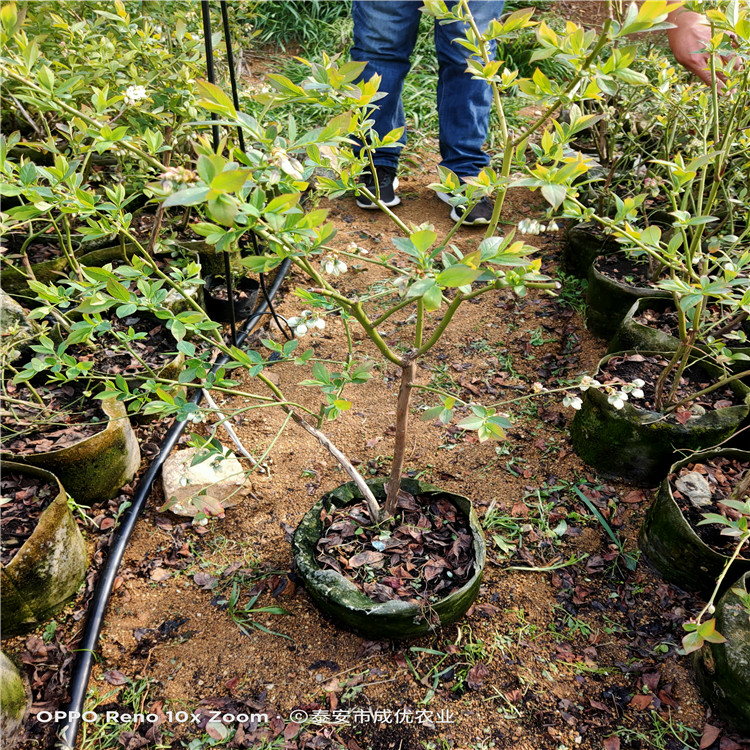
50	566
608	301
583	245
671	544
98	466
722	670
638	337
13	702
633	335
639	445
15	281
341	600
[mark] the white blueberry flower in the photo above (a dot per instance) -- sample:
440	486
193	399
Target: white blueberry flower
530	226
177	176
573	401
134	94
588	382
286	163
637	390
553	226
355	249
333	266
401	284
306	322
617	398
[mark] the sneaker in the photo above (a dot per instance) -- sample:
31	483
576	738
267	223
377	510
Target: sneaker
388	183
480	214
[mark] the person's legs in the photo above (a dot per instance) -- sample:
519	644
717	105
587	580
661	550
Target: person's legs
463	103
384	37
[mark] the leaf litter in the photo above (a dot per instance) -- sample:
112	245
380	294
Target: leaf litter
426	554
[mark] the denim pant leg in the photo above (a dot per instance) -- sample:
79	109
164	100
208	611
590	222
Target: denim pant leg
464	104
385	32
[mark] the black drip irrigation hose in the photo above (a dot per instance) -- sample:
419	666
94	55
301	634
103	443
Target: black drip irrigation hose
268	299
97	608
211	75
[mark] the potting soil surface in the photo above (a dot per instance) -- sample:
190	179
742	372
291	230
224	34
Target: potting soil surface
627	368
566	646
66	418
24	498
723	476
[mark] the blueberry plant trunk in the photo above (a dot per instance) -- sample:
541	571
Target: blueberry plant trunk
341	600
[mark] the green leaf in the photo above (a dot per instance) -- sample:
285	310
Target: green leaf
432	298
260	263
633	77
117	290
457	275
214	94
188	197
423	239
471	423
223	208
554	194
320	372
418	288
230	181
432	413
282	203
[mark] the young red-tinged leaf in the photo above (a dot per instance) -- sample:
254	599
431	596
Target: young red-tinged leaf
691	642
707	629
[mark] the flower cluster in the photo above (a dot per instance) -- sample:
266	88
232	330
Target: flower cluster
134	94
533	226
355	249
177	176
286	163
617	395
333	265
306	322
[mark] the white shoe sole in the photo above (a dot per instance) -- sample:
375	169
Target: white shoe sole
369	206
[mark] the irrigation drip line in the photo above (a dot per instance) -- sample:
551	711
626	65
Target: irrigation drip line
79	679
230	63
98	606
211	74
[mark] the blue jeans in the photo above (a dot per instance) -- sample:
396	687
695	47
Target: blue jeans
385	32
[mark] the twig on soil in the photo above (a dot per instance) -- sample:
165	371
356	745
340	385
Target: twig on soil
224	422
372	503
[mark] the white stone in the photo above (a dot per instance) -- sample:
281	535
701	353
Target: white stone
220	482
696	488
